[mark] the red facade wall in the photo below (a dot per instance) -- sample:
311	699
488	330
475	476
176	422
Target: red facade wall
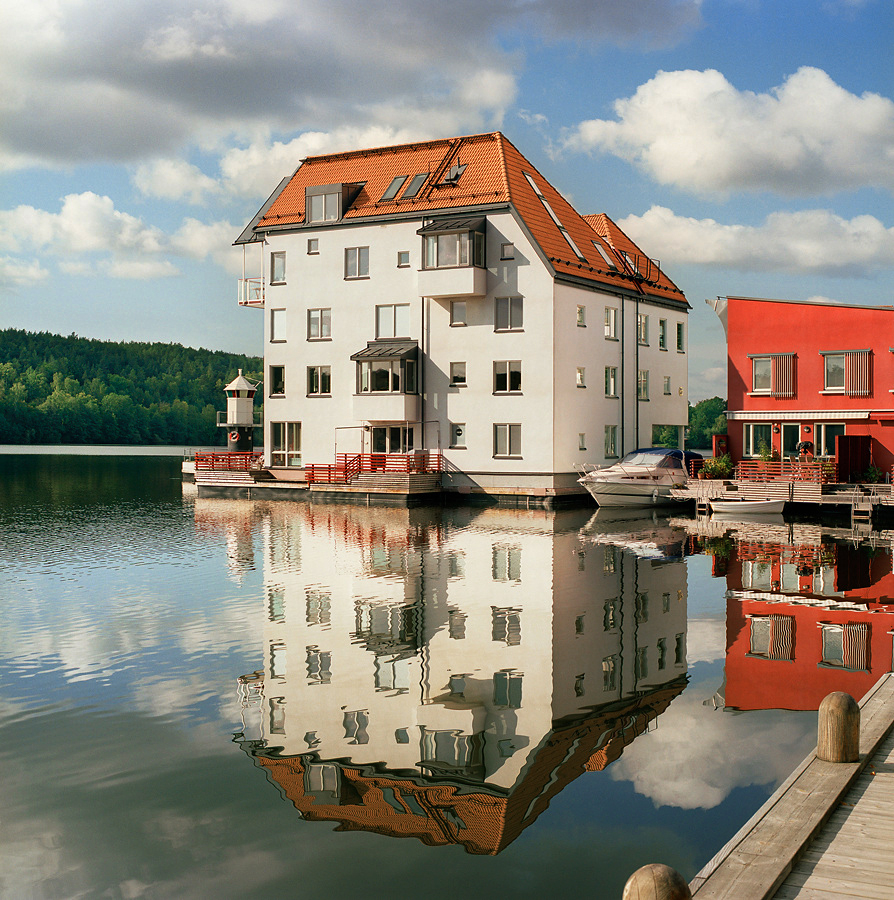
760	327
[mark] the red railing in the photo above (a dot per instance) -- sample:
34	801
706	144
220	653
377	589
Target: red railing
815	471
349	465
228	462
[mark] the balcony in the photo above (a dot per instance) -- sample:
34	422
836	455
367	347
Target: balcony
458	281
386	407
250	292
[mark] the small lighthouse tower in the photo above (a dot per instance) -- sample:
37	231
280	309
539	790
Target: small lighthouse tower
240	414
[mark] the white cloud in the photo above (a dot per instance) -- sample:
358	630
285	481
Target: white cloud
200	240
695	130
811	241
174	179
672	769
130	82
15	272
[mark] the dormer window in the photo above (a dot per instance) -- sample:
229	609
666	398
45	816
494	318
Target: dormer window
329	202
450	243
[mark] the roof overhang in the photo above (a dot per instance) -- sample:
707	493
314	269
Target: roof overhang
388	350
454	223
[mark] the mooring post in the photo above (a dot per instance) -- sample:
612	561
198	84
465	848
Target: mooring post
656	882
838	729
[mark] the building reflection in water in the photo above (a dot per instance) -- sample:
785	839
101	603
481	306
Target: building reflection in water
442	674
810	610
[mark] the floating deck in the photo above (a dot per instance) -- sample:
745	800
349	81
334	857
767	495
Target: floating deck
826	832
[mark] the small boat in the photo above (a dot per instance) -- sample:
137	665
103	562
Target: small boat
642	478
751	507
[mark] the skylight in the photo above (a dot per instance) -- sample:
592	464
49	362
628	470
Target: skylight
394	187
555	218
453	175
415	185
605	255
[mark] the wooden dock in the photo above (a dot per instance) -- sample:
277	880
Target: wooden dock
826	833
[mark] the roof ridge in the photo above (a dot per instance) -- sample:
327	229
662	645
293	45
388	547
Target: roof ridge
395	148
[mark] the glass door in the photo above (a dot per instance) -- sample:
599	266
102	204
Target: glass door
791	435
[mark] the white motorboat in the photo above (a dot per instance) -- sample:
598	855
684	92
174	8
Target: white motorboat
642	478
751	507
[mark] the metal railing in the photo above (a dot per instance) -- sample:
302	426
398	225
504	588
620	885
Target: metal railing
250	291
348	466
816	471
229	462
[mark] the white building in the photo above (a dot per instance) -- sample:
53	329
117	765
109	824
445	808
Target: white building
444	297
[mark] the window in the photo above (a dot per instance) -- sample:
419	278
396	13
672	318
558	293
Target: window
555	218
761	374
611	441
318	607
403	259
458	435
611	381
662	653
846	645
322	207
458	312
392	439
581	377
667	385
393	320
355	724
680	343
609	673
825	437
507	376
772	637
456	624
508	313
507	251
757	436
611	323
319	324
507	440
773	374
277	381
464	248
848	373
392	190
313	246
318	380
582	440
356	262
642	384
662	334
642	329
319	666
285	443
506	563
277	325
506	625
397	376
277	268
457	374
606	256
277	715
582	317
680	649
508	689
415	185
641	663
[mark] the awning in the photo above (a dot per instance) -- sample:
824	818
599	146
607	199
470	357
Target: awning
445	226
388	350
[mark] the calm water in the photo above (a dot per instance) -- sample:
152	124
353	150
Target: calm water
206	698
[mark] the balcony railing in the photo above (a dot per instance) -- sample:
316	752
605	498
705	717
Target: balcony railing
250	291
817	471
228	462
348	466
222	416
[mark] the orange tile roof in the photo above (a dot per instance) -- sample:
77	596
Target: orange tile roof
494	174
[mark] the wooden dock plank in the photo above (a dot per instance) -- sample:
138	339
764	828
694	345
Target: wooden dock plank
759	862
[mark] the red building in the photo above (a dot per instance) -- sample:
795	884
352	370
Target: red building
808	372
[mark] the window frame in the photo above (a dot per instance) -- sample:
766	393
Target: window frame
458	313
509	368
611	382
278	325
750	443
276	377
319	377
611	442
581	316
580	376
681	338
642	384
455	374
460	249
611	323
662	334
667	386
511	440
278	262
403	259
313	246
458	436
324	323
283	452
356	263
767	376
821	440
642	329
330	208
514	310
402	377
379	312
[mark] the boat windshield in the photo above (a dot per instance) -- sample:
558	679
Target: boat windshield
656	459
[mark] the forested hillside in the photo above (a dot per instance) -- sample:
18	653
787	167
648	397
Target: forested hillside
73	390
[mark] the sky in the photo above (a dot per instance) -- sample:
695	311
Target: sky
748	145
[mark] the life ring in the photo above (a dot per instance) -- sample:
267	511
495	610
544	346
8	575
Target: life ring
234	436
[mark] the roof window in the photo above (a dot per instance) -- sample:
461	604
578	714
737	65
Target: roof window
415	185
555	218
329	202
395	186
453	175
605	255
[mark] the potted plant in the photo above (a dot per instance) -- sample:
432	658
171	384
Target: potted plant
718	467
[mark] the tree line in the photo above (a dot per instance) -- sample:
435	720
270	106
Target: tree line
706	418
75	390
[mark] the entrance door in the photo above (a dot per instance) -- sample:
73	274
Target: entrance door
392	439
790	437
